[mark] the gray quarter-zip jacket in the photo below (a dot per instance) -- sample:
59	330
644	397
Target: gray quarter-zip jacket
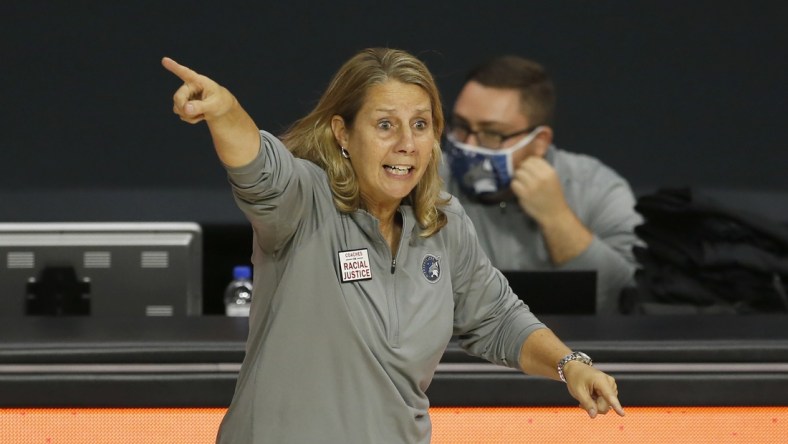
344	338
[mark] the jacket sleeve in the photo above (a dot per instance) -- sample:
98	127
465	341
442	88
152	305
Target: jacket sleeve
490	321
275	192
611	219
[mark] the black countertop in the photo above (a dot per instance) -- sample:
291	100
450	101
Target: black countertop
193	361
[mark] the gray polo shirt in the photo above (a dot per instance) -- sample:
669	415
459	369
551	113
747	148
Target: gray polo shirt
600	198
344	338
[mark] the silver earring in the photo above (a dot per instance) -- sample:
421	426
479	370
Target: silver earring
344	152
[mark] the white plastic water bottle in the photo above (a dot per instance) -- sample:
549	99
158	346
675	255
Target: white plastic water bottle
238	294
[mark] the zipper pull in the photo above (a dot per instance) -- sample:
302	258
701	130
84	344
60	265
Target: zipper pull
393	264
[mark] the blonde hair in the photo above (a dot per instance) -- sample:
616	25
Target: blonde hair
311	137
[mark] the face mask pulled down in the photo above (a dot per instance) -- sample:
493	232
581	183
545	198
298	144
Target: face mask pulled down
483	171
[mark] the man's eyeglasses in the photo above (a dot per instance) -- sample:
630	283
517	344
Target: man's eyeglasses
460	132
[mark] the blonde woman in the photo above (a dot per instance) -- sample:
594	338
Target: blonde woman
364	268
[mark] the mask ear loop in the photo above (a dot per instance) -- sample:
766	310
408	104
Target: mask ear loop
518	146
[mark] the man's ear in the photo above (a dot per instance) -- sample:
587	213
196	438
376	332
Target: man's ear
339	130
543	140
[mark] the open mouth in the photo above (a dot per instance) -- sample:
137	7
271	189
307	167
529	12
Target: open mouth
399	170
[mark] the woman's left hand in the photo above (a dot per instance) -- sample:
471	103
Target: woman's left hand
596	391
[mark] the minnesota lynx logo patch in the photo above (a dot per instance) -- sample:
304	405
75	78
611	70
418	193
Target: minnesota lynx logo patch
431	268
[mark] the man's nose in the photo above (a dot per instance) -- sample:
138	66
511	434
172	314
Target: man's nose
472	139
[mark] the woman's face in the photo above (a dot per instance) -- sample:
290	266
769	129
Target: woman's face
391	142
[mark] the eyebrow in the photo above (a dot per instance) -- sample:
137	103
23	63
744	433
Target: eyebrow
389	110
486	124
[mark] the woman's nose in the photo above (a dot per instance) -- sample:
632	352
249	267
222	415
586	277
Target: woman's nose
407	141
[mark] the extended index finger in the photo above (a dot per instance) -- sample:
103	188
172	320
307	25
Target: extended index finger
612	399
184	73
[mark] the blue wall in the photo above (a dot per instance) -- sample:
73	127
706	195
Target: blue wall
668	93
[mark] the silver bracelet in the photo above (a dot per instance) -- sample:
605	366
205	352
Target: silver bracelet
574	356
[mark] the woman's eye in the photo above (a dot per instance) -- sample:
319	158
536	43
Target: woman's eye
384	125
421	124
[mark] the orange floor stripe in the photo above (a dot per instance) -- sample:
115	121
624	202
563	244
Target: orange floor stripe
463	425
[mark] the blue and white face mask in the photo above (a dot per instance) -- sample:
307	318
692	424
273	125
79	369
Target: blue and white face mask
480	170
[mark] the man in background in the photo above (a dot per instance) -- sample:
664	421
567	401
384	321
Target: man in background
535	206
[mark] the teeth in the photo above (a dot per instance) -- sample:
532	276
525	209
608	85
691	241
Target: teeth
396	169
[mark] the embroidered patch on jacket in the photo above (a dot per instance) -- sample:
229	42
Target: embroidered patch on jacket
431	268
354	265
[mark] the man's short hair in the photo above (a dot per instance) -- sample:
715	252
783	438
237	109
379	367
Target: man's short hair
537	93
